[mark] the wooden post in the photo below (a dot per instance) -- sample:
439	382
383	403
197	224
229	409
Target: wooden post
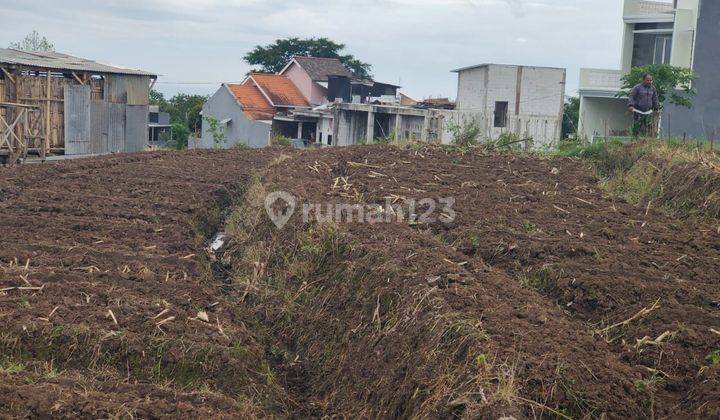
606	130
397	126
79	80
370	128
712	141
45	147
18	129
25	127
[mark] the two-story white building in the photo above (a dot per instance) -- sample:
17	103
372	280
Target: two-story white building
681	33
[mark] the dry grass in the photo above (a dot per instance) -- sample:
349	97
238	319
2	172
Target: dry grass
682	181
328	301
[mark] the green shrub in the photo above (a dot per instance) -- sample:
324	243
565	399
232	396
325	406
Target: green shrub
510	141
216	131
389	139
466	134
281	141
179	139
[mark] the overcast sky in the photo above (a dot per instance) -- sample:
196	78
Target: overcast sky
414	42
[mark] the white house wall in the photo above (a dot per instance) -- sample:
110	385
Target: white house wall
603	116
542	130
223	105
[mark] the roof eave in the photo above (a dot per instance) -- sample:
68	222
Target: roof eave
288	66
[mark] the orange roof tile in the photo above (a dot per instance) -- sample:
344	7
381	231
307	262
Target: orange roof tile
253	102
281	90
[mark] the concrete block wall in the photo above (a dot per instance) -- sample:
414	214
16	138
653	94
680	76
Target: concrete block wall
472	88
544	131
502	87
542	91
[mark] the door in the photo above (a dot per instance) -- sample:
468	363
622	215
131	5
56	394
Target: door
77	119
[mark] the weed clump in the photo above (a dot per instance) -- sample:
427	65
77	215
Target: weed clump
681	180
280	141
544	280
714	357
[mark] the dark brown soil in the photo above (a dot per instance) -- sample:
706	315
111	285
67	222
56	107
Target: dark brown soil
504	311
124	235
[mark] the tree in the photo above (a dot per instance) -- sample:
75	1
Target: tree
673	84
186	109
157	98
183	108
273	58
179	139
571	116
216	131
33	42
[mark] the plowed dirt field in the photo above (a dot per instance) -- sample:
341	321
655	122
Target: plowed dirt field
543	297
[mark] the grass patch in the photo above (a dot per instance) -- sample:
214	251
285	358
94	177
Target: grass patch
681	179
638	185
10	366
714	357
544	280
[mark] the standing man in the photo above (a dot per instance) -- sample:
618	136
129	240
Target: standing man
643	98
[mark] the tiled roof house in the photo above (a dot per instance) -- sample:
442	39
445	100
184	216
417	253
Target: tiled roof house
310	75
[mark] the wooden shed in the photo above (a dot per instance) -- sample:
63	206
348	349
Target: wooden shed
60	104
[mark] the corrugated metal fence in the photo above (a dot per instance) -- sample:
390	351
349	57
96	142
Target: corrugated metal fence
118	123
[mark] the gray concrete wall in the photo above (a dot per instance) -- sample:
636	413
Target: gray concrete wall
704	117
241	129
472	88
411	128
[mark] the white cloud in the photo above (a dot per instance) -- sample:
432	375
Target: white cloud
415	41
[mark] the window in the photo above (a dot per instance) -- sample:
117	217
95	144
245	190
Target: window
329	137
320	137
663	49
501	109
657	26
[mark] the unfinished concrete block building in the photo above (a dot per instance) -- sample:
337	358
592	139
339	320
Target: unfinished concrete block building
526	101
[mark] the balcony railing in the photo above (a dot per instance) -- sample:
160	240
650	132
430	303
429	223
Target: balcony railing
606	82
639	8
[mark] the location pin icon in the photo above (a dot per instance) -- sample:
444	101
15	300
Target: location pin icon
280	217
